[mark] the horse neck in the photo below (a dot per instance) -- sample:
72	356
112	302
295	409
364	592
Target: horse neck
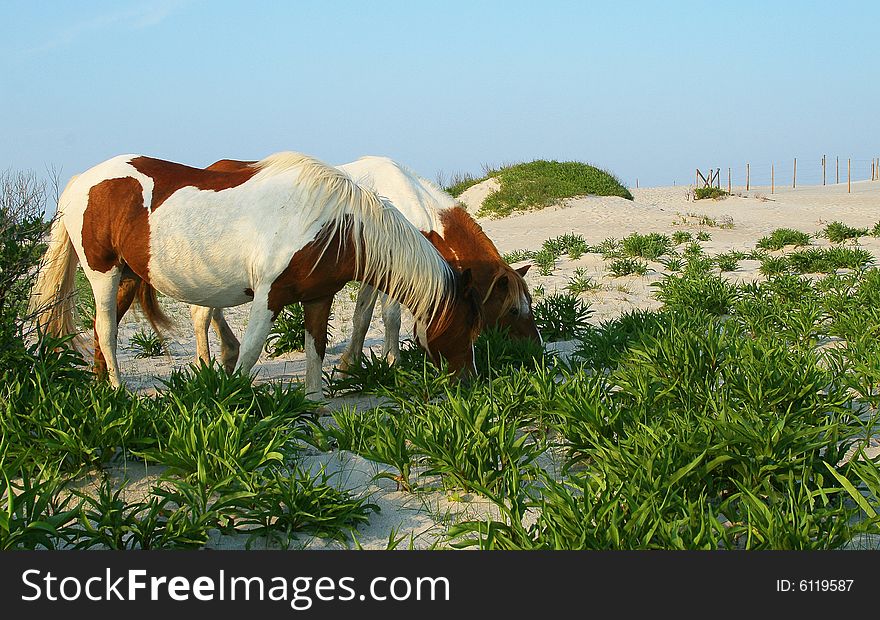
466	246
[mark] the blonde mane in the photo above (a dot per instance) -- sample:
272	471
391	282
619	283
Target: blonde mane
387	248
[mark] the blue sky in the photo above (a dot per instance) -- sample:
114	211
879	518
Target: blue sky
645	89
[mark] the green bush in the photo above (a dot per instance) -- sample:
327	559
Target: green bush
701	193
561	316
627	266
782	237
651	246
540	183
288	333
22	228
838	232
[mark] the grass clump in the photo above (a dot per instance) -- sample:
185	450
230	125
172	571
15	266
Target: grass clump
288	333
696	293
581	283
651	246
729	261
716	193
627	266
782	237
146	344
681	236
838	232
517	256
561	316
540	183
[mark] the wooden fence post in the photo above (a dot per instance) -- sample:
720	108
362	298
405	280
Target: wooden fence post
837	165
823	170
794	175
772	178
848	175
747	177
728	179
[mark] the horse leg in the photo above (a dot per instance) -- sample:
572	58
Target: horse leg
317	313
105	288
229	345
201	318
363	313
259	324
128	286
391	318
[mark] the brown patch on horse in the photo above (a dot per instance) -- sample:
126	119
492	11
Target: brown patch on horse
115	227
304	280
470	247
230	165
168	177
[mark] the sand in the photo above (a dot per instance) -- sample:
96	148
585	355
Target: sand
423	517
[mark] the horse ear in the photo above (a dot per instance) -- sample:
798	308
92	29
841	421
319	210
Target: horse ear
501	282
523	270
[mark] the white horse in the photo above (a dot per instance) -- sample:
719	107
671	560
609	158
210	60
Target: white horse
285	229
502	289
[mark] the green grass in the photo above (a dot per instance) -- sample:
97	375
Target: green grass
581	283
817	260
540	183
651	246
288	333
627	266
702	193
838	232
720	421
561	316
517	256
782	237
147	344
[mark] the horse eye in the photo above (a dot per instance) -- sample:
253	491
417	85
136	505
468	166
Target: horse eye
514	311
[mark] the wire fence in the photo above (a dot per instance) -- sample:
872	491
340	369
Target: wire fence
792	173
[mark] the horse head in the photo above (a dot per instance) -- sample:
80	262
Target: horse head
508	304
451	334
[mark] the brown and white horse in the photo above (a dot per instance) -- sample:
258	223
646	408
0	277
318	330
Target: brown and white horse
288	228
502	289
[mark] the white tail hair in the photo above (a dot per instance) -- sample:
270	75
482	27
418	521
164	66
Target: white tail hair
52	302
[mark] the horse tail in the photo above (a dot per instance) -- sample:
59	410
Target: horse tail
149	303
52	302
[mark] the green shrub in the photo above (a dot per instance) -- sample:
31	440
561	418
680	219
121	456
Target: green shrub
838	232
561	316
681	236
651	246
538	184
627	266
782	237
147	344
701	193
22	228
288	333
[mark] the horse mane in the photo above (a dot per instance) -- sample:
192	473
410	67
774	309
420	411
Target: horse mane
387	248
